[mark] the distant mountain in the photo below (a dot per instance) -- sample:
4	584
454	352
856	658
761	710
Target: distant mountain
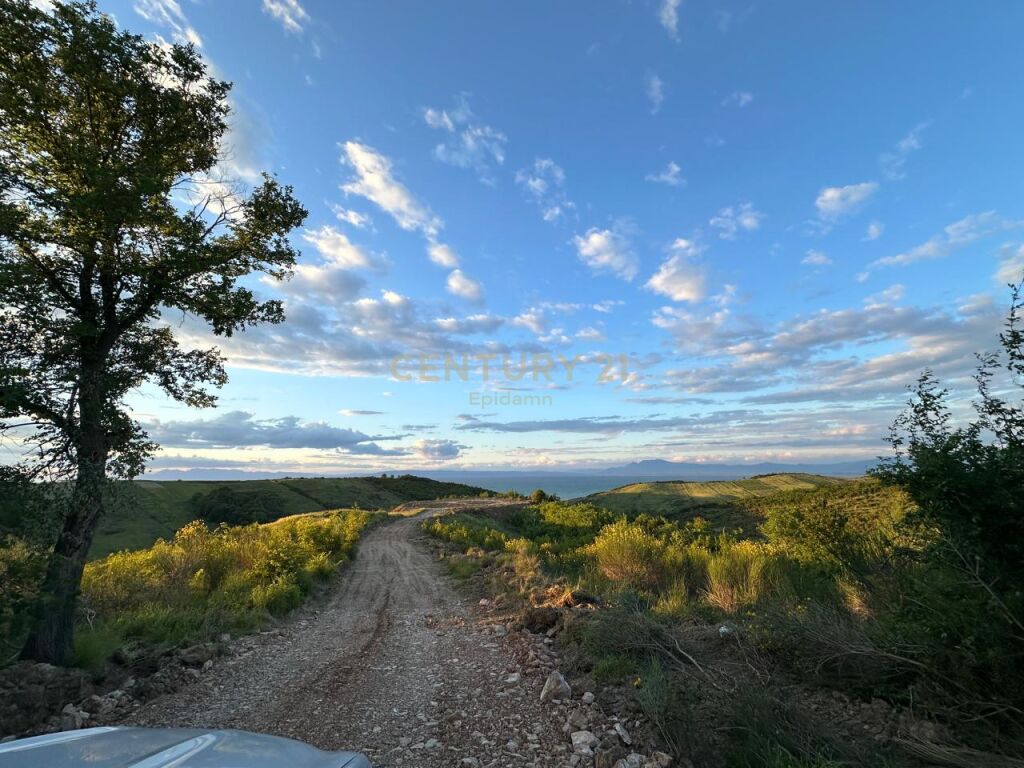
681	470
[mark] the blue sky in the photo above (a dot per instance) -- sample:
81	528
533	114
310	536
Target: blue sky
777	213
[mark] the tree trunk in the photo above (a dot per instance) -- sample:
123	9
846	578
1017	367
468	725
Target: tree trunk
52	638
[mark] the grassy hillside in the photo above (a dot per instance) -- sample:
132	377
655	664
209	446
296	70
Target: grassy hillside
147	510
717	501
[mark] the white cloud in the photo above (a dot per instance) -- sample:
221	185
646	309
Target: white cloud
337	249
375	182
442	255
670	176
668	15
893	162
654	87
438	450
590	333
479	323
605	250
874	231
890	295
835	202
472	144
953	237
731	220
816	259
1011	266
349	216
465	287
678	277
290	13
533	319
738	99
168	13
544	181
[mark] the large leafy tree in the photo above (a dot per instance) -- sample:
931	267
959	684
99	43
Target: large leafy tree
109	219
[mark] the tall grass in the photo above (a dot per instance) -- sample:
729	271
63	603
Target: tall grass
206	581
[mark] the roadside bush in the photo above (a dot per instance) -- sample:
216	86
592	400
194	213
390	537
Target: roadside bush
628	555
202	581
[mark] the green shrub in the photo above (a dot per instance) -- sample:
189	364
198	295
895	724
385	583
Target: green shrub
626	554
204	581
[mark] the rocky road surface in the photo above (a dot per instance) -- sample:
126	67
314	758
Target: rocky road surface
392	663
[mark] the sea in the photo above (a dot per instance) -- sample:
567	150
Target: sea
563	486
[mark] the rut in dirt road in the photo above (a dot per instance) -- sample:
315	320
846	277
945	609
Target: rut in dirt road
391	664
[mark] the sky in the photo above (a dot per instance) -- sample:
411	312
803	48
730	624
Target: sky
696	231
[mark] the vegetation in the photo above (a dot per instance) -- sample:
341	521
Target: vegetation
714	501
102	136
205	581
834	587
146	510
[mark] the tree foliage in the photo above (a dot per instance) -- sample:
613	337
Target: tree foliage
113	220
968	480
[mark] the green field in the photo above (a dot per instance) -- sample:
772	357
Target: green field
716	501
147	510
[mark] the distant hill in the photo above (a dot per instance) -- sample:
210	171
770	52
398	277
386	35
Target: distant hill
681	470
715	500
146	510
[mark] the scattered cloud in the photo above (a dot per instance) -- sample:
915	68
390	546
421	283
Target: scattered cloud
240	429
731	220
890	295
670	176
337	249
654	87
835	202
738	99
356	412
168	13
668	16
459	284
442	255
1011	265
544	182
290	13
375	181
471	144
893	162
438	450
607	250
874	230
679	277
816	259
348	216
953	237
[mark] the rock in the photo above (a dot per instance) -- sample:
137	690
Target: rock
583	742
555	687
514	678
197	655
207	665
578	720
540	620
432	744
72	718
608	758
224	637
658	760
623	734
588	698
632	760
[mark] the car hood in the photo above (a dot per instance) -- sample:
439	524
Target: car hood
169	748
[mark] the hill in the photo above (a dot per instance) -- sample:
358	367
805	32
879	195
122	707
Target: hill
717	500
682	470
146	510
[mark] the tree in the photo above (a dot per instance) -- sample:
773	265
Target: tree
968	480
109	220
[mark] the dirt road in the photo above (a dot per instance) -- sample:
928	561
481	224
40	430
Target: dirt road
392	663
